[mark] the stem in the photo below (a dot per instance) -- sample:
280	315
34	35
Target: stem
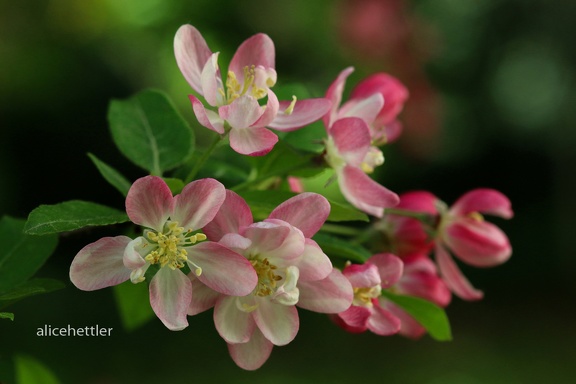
341	230
203	158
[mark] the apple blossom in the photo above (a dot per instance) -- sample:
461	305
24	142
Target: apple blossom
170	243
250	77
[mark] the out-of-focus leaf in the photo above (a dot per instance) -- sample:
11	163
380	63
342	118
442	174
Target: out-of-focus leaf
150	132
309	139
428	314
31	287
133	302
21	255
7	315
31	371
115	178
343	212
337	247
71	215
175	185
263	202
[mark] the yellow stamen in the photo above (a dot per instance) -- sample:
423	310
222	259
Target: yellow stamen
290	108
267	279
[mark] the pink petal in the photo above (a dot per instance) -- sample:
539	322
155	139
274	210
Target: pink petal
253	354
254	51
313	263
149	202
392	130
454	278
100	264
207	118
242	112
306	211
198	203
191	53
276	240
203	298
334	94
352	139
333	294
408	326
382	322
305	112
134	253
364	193
234	215
236	242
252	141
421	279
212	82
362	275
488	201
477	243
390	268
234	325
419	201
270	111
170	296
278	323
367	108
355	319
223	270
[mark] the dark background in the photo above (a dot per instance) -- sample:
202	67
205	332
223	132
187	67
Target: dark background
492	105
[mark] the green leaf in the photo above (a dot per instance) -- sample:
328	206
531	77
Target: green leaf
428	314
261	203
31	287
115	178
31	371
150	132
21	255
175	185
345	212
133	302
71	215
337	247
7	315
309	139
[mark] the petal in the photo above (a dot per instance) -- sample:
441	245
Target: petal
170	297
99	264
254	51
234	325
212	82
477	243
234	215
288	293
390	268
408	326
454	278
364	193
191	53
419	201
355	318
305	112
382	322
306	211
278	323
270	111
366	108
421	279
203	298
334	94
280	247
134	253
252	141
223	270
149	202
198	203
352	139
242	112
206	117
235	242
253	354
333	294
313	263
362	275
483	200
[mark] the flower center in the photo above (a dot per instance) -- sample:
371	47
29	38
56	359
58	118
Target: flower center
373	158
267	277
170	243
363	296
253	77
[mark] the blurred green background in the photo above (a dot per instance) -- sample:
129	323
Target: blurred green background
492	104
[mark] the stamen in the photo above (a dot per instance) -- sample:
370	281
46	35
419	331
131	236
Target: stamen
290	108
267	278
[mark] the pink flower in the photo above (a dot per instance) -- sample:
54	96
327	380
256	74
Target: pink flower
170	243
379	272
377	100
250	77
463	231
419	279
350	153
292	270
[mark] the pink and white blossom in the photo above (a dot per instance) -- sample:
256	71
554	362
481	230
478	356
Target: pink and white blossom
292	270
236	102
170	243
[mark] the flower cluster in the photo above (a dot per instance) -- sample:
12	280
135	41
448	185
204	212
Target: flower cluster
255	261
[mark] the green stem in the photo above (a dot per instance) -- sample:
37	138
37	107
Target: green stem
198	165
341	230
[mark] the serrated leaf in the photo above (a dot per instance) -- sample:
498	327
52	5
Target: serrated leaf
133	302
428	314
337	247
21	255
150	132
29	370
71	215
31	287
7	315
115	178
